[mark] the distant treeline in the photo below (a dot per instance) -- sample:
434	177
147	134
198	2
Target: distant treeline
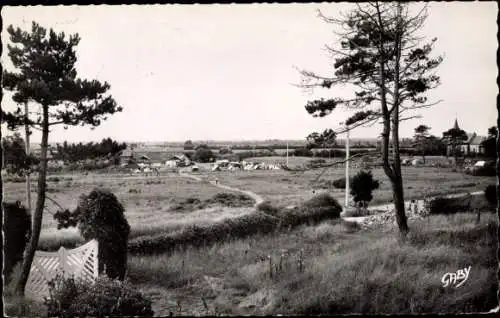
107	148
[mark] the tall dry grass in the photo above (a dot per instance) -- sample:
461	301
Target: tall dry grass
344	270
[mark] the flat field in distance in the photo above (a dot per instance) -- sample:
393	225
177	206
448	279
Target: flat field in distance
290	188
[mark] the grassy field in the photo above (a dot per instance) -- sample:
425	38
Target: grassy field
151	203
290	188
344	271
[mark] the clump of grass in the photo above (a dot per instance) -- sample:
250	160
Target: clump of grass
188	204
224	199
231	200
16	306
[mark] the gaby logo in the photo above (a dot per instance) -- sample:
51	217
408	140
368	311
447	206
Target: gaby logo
458	278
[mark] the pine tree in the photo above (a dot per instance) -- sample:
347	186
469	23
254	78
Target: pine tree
388	67
421	138
45	74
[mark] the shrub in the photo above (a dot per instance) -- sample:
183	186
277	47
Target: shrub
16	230
362	186
491	194
70	297
100	216
442	205
321	206
231	200
203	155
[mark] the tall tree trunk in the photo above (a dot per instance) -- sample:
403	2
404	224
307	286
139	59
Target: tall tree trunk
397	179
40	203
27	138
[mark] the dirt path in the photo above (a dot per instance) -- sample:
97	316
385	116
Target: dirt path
257	198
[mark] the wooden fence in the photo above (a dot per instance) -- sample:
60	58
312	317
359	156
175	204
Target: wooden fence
81	262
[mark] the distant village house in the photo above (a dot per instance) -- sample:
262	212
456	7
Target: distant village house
473	144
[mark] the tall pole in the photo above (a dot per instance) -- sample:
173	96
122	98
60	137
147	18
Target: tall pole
347	170
287	153
28	183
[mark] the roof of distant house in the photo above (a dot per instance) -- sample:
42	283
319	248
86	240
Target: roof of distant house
477	140
181	157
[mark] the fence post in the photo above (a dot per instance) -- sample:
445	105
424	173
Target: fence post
96	260
62	261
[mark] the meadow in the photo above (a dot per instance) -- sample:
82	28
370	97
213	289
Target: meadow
329	266
152	204
344	270
290	188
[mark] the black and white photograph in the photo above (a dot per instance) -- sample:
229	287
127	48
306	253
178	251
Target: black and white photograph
250	159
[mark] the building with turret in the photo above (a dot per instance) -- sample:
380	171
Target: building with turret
473	144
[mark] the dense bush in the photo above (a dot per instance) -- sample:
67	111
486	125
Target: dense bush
489	170
79	152
100	216
442	205
203	155
16	231
362	186
469	203
491	194
70	297
322	205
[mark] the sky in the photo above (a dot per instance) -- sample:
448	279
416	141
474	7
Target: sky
226	71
